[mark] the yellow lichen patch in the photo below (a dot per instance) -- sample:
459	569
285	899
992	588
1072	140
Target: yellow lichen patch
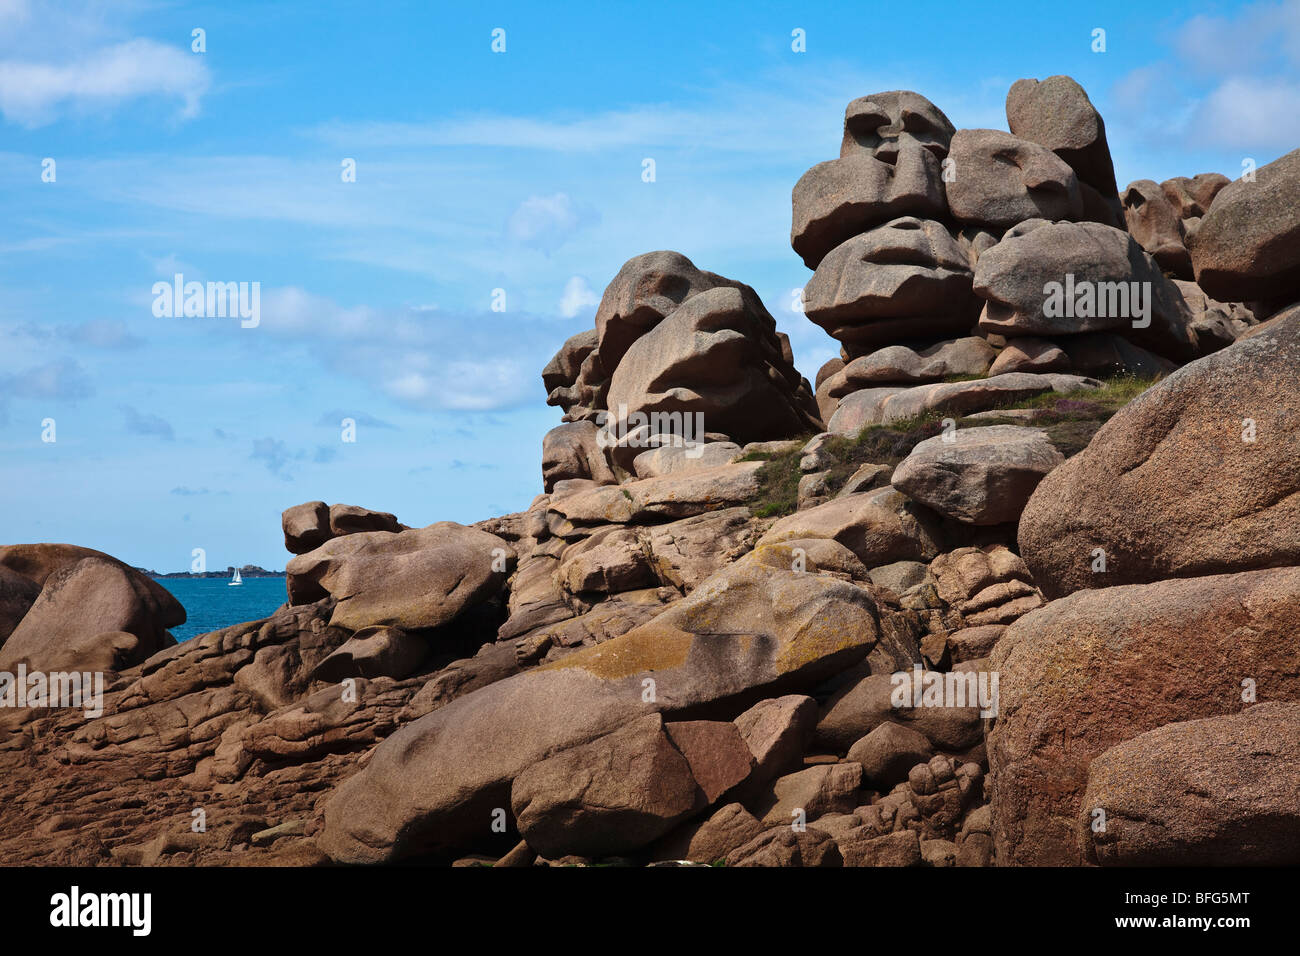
650	647
821	638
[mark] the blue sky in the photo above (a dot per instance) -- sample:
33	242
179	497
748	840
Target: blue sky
475	171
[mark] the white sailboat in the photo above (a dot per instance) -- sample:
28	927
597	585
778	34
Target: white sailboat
236	580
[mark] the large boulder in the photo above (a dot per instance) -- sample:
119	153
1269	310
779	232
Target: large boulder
353	519
1223	791
421	578
889	166
676	495
79	619
882	406
755	629
572	450
1195	476
1067	277
306	526
979	476
1096	668
906	279
646	289
614	794
1057	113
37	562
716	357
1154	221
879	527
1000	180
899	364
1248	245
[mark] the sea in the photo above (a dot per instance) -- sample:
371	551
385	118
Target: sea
211	603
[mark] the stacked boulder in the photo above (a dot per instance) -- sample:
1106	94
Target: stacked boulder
934	250
672	344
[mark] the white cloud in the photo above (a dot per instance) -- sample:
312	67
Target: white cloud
578	295
546	222
33	93
1253	113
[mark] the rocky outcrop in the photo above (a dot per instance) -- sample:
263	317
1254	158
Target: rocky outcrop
1194	477
421	578
1222	791
1097	668
903	621
980	476
1248	245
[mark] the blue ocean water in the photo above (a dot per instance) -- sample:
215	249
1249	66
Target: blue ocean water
211	603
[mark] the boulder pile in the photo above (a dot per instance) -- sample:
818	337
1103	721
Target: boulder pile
918	615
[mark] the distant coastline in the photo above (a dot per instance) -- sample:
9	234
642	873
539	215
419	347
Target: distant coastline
248	571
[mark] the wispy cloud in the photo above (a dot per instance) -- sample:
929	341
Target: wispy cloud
34	93
145	423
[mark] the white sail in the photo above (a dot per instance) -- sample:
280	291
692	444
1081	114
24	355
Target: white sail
236	579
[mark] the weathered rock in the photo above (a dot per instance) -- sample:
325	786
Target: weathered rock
1067	277
864	848
1248	245
611	560
669	458
1171	486
560	376
1096	668
716	356
1029	354
882	406
905	279
785	847
687	551
860	707
679	495
1108	354
1222	791
1057	113
981	476
899	364
1217	324
306	527
749	631
889	752
374	652
1156	223
77	621
889	166
350	519
777	732
612	795
572	451
1192	197
729	828
807	794
717	754
879	527
648	288
414	579
1000	180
